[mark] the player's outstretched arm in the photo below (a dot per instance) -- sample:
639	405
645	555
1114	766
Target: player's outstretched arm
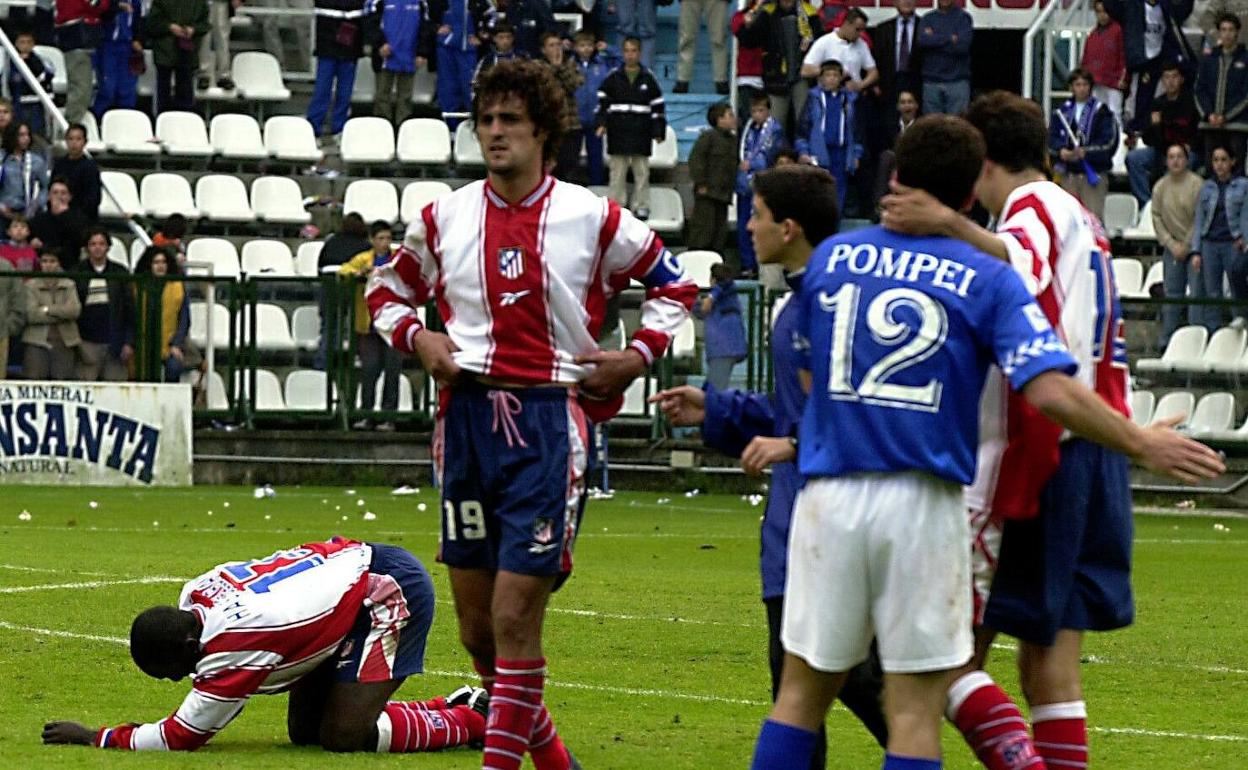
917	212
683	406
68	733
1157	447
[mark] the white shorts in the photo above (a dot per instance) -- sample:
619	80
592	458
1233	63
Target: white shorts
985	550
879	555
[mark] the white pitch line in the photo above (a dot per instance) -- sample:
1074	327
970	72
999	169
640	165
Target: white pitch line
64	634
60	571
1169	734
89	584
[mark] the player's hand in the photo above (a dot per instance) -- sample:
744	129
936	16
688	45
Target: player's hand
421	62
385	51
68	732
1175	455
613	371
682	406
601	131
763	451
445	29
914	211
435	350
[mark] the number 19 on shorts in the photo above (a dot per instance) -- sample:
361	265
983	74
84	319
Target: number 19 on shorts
468	524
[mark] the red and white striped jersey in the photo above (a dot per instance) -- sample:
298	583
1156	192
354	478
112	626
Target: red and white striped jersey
266	623
1062	254
523	288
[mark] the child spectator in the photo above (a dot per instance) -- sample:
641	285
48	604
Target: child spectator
762	139
460	25
339	46
401	40
106	324
594	64
27	107
631	114
12	312
60	226
78	32
174	309
1105	57
529	20
1083	160
826	132
174	29
23	174
723	329
81	172
566	74
16	250
375	354
51	334
214	48
502	48
119	58
713	169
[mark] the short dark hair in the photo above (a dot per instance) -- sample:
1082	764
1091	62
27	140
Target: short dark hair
722	272
144	265
717	111
174	226
158	635
532	83
76	127
760	97
943	155
24	31
503	28
380	225
1079	73
630	39
1171	65
853	14
805	194
353	224
61	180
831	64
547	35
585	36
51	251
93	231
790	153
1232	18
1013	129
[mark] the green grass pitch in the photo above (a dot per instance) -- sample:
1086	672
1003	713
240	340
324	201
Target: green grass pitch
656	646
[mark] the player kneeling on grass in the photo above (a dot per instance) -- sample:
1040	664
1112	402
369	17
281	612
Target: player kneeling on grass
338	624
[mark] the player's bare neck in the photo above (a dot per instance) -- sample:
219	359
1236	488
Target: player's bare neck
514	185
796	256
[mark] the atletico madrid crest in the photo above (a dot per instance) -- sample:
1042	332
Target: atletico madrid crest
511	262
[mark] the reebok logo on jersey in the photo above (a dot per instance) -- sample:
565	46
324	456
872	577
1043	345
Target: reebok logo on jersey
511	262
512	297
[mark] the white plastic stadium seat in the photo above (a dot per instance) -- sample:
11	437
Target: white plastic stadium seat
1215	413
1178	402
147	81
129	132
272	328
1154	277
217	252
1143	230
697	265
136	253
1119	167
424	86
417	195
667	211
1223	352
56	59
278	199
165	194
685	341
467	148
405	394
122	186
372	199
424	141
267	257
305	389
1129	276
268	390
258	77
216	392
1142	403
94	142
117	252
1185	349
220	325
1239	434
305	327
365	88
183	134
307	257
1121	212
289	138
237	137
663	155
367	141
223	198
635	396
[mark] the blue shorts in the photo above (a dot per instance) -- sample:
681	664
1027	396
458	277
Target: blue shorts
1070	566
512	466
387	641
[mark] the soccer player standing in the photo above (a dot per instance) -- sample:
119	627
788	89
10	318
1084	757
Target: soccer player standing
521	266
902	331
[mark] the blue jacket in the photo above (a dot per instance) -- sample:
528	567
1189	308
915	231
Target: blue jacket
404	25
123	26
945	61
723	327
759	146
1098	135
1174	46
1236	209
1222	86
466	18
19	90
810	136
593	72
734	417
14	190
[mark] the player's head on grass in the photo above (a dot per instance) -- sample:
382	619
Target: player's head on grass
942	155
518	115
1016	144
794	210
164	642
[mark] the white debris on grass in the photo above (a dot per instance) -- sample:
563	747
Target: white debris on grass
265	491
349	492
24	516
405	490
663	500
93	505
370	516
422	507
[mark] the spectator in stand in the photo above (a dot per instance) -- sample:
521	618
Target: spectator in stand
1222	91
907	111
529	19
896	55
78	32
1172	121
23	174
1218	237
945	42
171	232
502	48
174	29
845	45
80	171
214	48
351	239
1152	34
1174	216
43	21
119	58
339	44
27	107
16	250
174	309
1215	9
106	323
761	141
459	27
631	113
12	312
60	226
375	354
713	170
749	71
401	39
568	157
693	13
826	133
784	30
723	329
1106	58
594	64
639	20
6	115
298	56
51	333
1083	159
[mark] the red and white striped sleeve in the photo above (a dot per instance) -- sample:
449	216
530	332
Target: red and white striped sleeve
405	283
630	251
1030	237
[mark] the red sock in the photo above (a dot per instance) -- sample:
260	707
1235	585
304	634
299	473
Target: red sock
545	745
437	704
514	705
1062	734
414	727
991	724
486	672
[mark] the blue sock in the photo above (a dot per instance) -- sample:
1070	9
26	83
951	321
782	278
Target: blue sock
783	746
894	762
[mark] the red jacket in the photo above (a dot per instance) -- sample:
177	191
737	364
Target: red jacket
749	60
1105	56
78	23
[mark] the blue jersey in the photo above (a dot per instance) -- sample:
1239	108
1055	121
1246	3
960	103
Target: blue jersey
901	332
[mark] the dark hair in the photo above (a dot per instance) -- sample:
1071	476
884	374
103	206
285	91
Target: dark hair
76	127
722	272
853	14
1171	66
51	251
61	180
93	231
503	28
1232	18
353	224
1226	148
174	227
943	155
831	64
805	194
379	226
1079	73
717	111
158	637
532	83
547	35
585	36
9	143
1013	129
144	265
18	216
630	39
790	153
25	30
760	97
